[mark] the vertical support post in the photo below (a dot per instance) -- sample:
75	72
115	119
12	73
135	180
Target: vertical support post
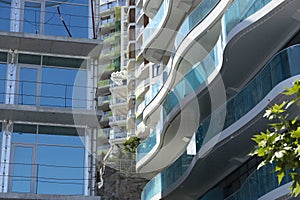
15	16
11	77
86	162
94	161
37	178
91	32
42	17
7	128
89	90
92	84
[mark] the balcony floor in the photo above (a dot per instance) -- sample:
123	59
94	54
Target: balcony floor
64	116
49	44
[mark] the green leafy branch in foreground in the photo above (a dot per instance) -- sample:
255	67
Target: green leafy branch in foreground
280	142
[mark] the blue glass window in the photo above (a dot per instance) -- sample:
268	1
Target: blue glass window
28	86
25	134
50	162
2	82
58	85
22	169
60	170
32	17
4	16
75	18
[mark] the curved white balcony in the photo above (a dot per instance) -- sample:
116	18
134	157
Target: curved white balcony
142	88
231	144
119	120
118	105
142	71
159	34
195	26
151	7
234	45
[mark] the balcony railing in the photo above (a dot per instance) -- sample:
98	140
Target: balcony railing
146	146
115	101
195	18
259	183
106	115
117	135
104	99
156	22
70	177
110	67
103	83
104	132
107	22
50	94
278	69
108	38
115	119
140	108
140	11
122	165
115	85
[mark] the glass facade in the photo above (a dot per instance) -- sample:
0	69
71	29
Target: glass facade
48	81
57	18
46	160
42	154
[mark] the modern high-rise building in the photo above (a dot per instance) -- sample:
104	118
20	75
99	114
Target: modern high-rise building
48	111
116	91
112	84
221	64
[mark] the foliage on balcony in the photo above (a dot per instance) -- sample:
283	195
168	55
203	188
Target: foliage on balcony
103	83
131	144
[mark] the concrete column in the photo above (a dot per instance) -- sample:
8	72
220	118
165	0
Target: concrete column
7	128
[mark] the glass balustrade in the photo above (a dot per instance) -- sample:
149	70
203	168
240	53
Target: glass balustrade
196	17
156	21
259	183
277	70
144	148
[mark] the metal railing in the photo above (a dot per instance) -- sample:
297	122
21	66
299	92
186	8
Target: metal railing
115	119
117	135
46	94
117	101
39	176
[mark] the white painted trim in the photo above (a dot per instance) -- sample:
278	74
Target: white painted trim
277	193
